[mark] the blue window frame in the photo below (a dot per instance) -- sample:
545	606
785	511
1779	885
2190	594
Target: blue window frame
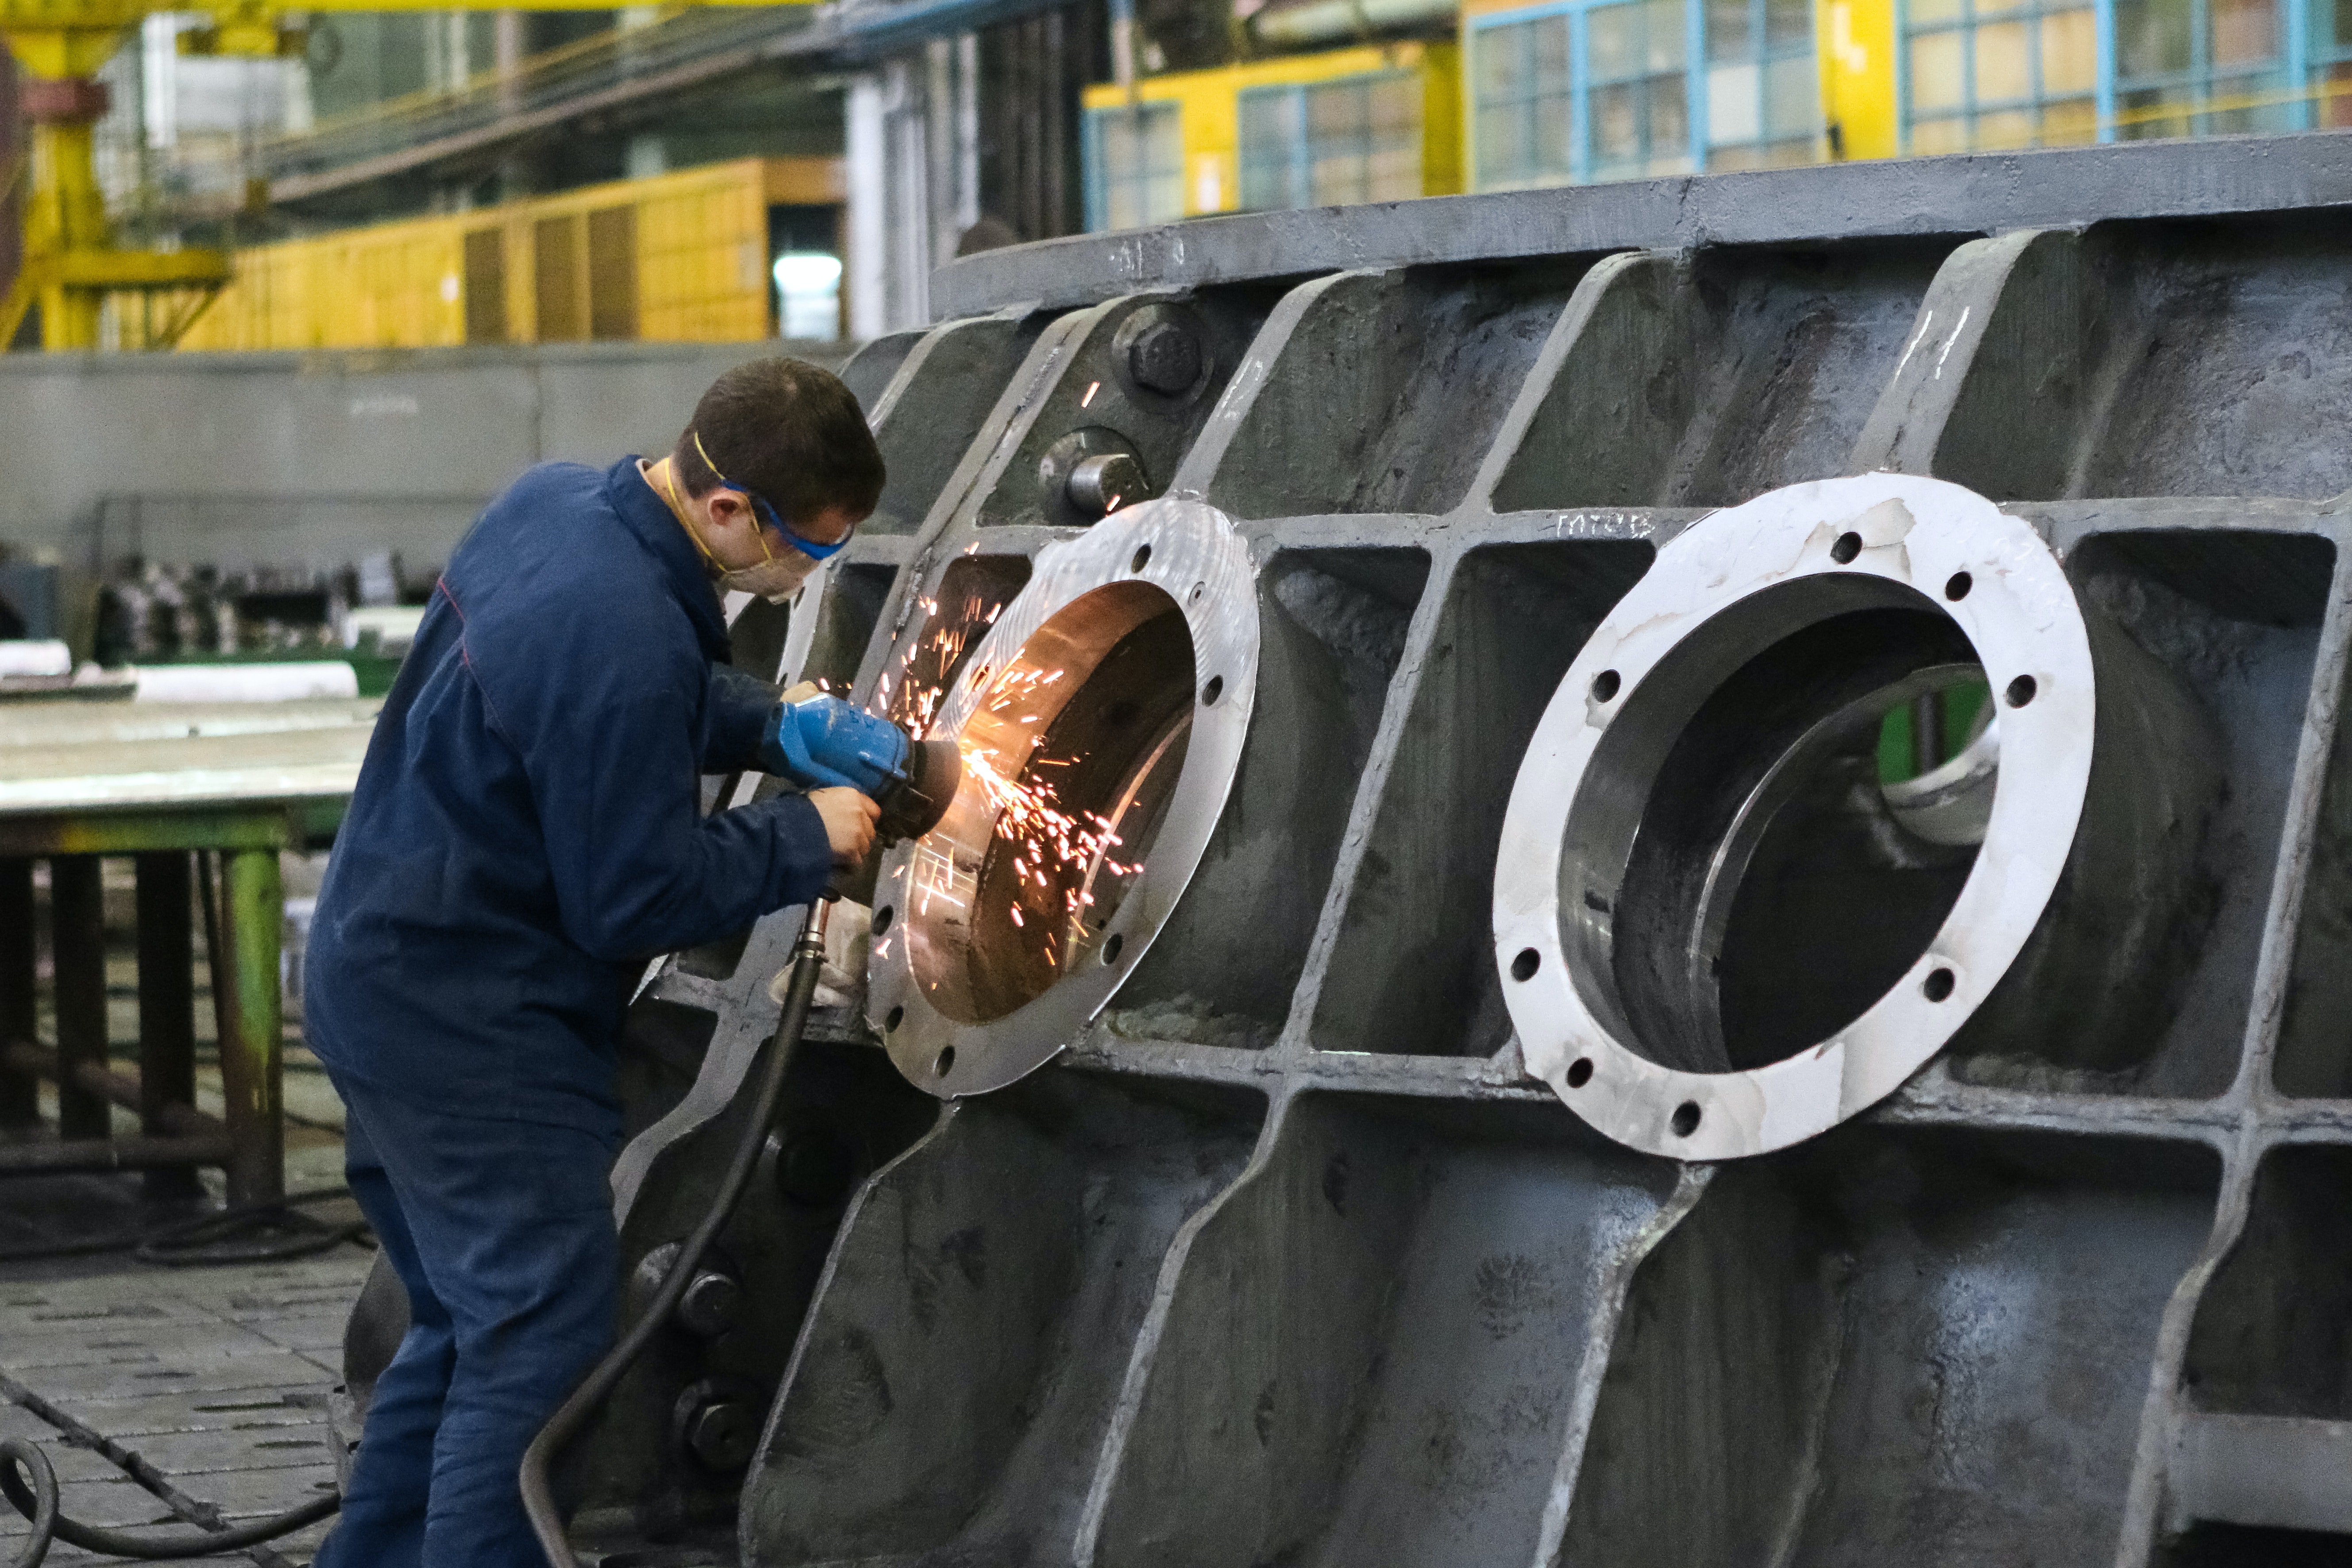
2000	73
2024	73
1134	165
1615	89
1351	138
2203	67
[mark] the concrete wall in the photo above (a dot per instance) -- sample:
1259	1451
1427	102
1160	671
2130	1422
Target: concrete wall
317	457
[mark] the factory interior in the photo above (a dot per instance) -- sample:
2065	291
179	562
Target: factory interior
1176	783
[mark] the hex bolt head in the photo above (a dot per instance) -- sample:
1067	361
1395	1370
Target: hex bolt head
723	1433
713	1303
1165	357
1103	483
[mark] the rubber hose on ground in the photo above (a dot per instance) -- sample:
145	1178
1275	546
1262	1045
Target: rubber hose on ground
36	1500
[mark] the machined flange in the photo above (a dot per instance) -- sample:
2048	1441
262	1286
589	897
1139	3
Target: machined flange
1719	723
1102	719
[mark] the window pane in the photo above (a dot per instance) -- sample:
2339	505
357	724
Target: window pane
1931	13
1989	8
1617	124
1735	104
1554	139
1501	155
1613	41
1793	97
2151	37
2244	31
1728	28
2070	123
1669	119
2070	52
2013	128
1787	24
2336	109
1496	65
2340	15
1268	137
1930	136
2142	121
1664	20
2004	65
1936	78
1551	39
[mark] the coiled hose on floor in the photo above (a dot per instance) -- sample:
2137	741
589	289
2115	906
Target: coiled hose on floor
31	1483
537	1496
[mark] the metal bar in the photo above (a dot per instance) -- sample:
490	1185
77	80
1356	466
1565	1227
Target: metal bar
113	1154
167	1000
19	1093
77	958
134	829
253	913
119	1088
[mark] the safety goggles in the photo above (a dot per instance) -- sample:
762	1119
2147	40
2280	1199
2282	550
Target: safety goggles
809	547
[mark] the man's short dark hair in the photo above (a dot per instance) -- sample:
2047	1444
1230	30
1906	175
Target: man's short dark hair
789	431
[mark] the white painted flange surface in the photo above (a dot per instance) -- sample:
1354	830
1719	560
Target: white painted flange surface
2020	615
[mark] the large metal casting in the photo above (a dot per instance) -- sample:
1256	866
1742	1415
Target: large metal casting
1585	559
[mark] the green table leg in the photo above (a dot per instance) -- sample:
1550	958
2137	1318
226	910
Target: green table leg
77	953
252	1054
20	1104
167	1034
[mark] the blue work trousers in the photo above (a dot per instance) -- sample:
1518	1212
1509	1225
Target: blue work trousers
502	1232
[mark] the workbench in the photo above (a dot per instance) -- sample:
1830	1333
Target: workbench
181	789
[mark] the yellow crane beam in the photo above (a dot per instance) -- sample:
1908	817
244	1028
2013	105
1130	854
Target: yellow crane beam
69	263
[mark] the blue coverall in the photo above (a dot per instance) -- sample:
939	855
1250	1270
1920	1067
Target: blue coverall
525	835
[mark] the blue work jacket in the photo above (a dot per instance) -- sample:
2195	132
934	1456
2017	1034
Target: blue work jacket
527	830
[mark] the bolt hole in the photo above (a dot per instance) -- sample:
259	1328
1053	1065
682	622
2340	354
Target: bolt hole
1685	1121
1524	966
1112	948
1957	586
882	917
1141	558
1211	692
1194	596
898	1016
2020	692
1579	1072
945	1063
1605	684
1938	984
1847	547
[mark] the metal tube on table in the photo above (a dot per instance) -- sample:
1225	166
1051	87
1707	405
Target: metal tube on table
167	1035
253	910
78	952
19	1091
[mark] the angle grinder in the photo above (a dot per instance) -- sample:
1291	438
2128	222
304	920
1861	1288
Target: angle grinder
823	742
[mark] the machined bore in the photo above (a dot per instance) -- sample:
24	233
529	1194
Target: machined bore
1721	930
1099	723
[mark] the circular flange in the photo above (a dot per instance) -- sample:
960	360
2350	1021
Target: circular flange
1718	594
1100	609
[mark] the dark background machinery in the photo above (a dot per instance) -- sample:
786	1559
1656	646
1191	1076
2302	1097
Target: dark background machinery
1285	1260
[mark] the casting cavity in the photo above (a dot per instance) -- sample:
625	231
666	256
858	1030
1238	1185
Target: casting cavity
1720	934
1116	690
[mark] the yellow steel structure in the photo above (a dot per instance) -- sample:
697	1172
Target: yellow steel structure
1209	106
680	258
69	264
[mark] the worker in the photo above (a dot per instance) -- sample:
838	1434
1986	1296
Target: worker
526	834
